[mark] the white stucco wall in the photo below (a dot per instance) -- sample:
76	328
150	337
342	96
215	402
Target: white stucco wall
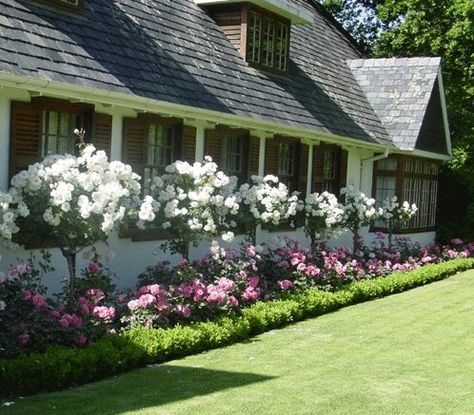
133	257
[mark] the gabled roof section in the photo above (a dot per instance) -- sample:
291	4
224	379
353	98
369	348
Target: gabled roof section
171	51
405	95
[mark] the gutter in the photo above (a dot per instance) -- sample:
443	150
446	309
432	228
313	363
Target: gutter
142	104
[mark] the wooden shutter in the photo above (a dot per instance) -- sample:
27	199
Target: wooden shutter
102	132
212	145
25	143
134	146
303	169
271	157
188	151
343	170
318	169
254	150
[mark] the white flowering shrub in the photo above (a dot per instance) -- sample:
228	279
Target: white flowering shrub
8	217
195	201
265	201
359	211
396	214
323	216
77	201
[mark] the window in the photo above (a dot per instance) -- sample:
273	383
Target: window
329	169
74	5
160	150
268	41
229	149
287	164
411	179
57	136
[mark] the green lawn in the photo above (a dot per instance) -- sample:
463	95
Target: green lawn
411	353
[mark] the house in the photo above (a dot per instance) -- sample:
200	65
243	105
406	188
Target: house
263	86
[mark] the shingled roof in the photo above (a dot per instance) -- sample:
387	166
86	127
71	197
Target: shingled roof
172	51
399	90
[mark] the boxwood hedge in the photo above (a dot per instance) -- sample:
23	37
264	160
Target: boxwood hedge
61	367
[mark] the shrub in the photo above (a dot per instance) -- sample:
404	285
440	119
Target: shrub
61	367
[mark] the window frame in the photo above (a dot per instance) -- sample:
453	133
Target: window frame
401	175
64	5
277	21
336	181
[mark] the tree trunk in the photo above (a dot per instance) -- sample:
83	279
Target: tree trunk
355	243
71	265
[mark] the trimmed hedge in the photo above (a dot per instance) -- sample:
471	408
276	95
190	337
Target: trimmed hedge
61	367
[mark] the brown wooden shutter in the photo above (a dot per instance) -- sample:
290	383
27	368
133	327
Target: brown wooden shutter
271	157
212	145
343	170
254	150
303	169
318	169
102	132
188	152
25	144
134	149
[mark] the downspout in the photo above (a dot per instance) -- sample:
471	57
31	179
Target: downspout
374	158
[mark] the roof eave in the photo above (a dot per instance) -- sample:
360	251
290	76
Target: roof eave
142	104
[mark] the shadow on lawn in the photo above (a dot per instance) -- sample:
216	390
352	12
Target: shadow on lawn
155	386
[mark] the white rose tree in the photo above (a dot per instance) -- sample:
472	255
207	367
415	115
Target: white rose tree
76	201
323	216
192	201
395	215
359	211
265	201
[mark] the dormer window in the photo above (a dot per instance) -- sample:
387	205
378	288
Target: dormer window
74	5
268	41
259	29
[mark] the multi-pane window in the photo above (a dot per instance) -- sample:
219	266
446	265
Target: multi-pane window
68	4
410	179
268	41
287	163
57	135
329	169
160	150
232	155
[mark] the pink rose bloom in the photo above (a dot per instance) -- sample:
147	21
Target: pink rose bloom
226	284
24	338
104	313
186	289
233	301
27	295
38	300
215	294
70	320
253	282
285	284
56	314
183	310
133	305
301	267
94	267
312	271
457	241
156	290
452	253
340	269
426	259
162	304
464	254
145	300
85	305
250	250
81	340
250	294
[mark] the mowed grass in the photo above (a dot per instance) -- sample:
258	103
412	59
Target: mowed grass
411	353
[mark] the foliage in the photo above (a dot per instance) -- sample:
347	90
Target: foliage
61	367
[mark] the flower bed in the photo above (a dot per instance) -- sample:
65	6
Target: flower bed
60	367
